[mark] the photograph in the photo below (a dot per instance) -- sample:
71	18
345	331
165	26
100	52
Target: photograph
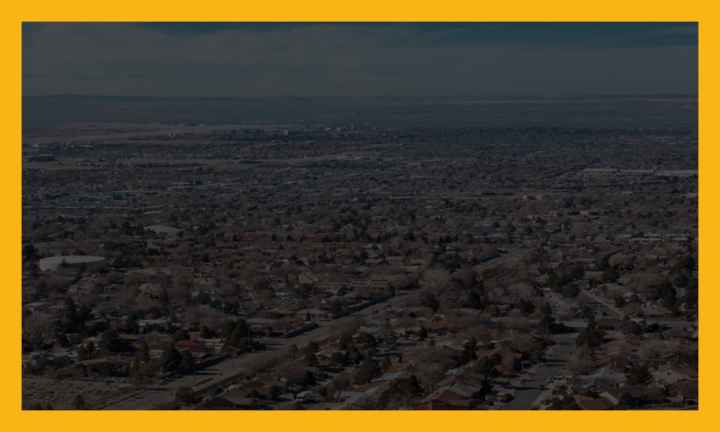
341	215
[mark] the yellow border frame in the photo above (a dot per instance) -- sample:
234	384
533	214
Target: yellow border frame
370	10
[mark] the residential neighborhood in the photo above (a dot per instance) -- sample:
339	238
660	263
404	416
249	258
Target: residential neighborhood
310	266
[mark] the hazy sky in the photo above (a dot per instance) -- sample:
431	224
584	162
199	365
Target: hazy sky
256	60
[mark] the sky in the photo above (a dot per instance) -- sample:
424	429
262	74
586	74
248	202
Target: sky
359	59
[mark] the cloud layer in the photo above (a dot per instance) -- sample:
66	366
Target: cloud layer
258	60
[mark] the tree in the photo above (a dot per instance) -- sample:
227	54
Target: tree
336	308
667	295
227	329
592	336
470	350
132	325
134	371
346	342
368	370
181	334
206	332
293	352
691	294
429	300
638	374
69	320
187	362
526	306
82	353
241	337
475	300
570	290
366	340
386	364
110	342
170	359
79	402
241	329
29	252
610	274
91	350
311	359
311	348
142	353
165	297
186	395
389	334
339	358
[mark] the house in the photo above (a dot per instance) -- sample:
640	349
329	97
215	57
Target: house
268	326
591	403
314	315
454	396
232	401
196	347
159	324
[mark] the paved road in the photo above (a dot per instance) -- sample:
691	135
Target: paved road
554	365
536	380
234	368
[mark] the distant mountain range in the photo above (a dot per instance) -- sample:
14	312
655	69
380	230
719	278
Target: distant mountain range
602	111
